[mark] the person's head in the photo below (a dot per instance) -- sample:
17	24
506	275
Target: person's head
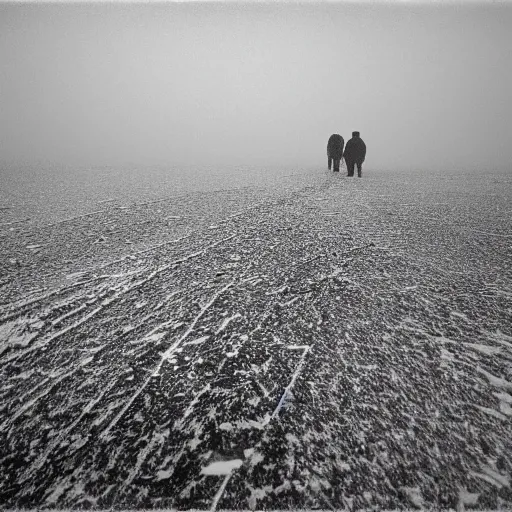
355	134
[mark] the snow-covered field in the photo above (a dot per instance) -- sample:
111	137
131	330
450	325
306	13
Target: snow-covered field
313	341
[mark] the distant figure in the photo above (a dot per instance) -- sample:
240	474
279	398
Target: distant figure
355	153
335	151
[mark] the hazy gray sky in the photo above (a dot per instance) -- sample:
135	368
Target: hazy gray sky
427	86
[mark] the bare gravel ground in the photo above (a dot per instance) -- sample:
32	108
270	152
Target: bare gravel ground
325	343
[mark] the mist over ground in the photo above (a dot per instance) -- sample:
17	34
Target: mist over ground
256	85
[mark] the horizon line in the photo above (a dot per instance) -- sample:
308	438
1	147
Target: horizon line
434	3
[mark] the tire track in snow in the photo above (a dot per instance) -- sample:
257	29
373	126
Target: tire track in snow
109	301
266	421
28	405
16	310
38	463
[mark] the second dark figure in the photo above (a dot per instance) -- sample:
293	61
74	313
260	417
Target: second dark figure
335	151
355	153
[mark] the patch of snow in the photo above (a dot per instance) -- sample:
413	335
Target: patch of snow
460	315
492	476
491	412
484	349
256	458
496	381
226	321
414	494
468	498
197	341
222	467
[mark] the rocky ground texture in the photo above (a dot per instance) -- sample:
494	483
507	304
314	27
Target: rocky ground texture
333	343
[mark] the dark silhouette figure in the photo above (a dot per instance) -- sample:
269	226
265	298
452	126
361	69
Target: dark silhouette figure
355	153
335	151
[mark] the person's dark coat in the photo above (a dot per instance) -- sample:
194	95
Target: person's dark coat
355	150
335	146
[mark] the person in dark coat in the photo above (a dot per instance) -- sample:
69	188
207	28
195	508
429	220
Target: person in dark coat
355	153
335	151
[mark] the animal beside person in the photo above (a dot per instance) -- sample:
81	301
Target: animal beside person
354	155
335	151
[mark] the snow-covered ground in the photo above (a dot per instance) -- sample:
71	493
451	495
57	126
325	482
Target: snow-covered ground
317	342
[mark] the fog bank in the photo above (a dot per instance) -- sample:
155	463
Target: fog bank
239	84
